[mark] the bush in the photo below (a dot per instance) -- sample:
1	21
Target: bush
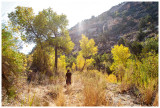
142	74
140	36
120	56
151	44
136	48
111	78
12	60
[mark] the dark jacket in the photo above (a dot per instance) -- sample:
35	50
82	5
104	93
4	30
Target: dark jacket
68	80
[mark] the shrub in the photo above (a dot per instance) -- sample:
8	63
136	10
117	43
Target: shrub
73	67
111	78
140	36
62	63
83	63
12	60
120	56
151	44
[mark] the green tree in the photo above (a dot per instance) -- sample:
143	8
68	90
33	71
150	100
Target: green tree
97	61
121	41
151	44
136	48
142	23
140	36
70	60
88	49
46	26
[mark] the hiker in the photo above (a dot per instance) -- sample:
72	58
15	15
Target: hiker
68	77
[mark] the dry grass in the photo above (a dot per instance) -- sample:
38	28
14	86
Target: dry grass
124	87
148	92
94	96
147	96
155	103
94	89
60	99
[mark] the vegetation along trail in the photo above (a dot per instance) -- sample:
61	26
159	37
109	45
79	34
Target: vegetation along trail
113	58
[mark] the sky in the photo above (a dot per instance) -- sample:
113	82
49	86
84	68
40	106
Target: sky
75	10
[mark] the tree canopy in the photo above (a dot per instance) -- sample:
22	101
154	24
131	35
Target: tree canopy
47	26
88	47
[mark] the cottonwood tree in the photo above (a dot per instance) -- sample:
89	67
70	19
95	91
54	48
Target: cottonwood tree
121	55
46	26
88	49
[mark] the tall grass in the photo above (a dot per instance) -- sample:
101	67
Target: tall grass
155	103
60	101
94	89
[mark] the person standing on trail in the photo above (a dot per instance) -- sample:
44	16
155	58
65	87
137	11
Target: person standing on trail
68	77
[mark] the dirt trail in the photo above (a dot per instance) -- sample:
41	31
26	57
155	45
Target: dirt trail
74	94
118	98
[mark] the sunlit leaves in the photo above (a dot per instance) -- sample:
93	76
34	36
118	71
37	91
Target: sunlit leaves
111	78
120	56
22	19
83	63
80	61
73	66
47	28
62	63
64	43
120	53
88	47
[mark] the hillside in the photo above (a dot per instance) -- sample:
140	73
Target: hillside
121	21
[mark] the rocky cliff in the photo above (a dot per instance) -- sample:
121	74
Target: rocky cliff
121	21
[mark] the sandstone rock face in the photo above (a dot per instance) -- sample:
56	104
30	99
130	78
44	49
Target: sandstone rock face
107	28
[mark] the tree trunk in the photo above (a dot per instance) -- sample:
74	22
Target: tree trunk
56	60
105	67
83	66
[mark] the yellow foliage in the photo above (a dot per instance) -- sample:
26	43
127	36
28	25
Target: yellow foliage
80	61
62	63
89	61
120	55
111	78
88	46
52	60
73	66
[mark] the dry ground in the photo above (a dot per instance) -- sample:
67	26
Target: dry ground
62	95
